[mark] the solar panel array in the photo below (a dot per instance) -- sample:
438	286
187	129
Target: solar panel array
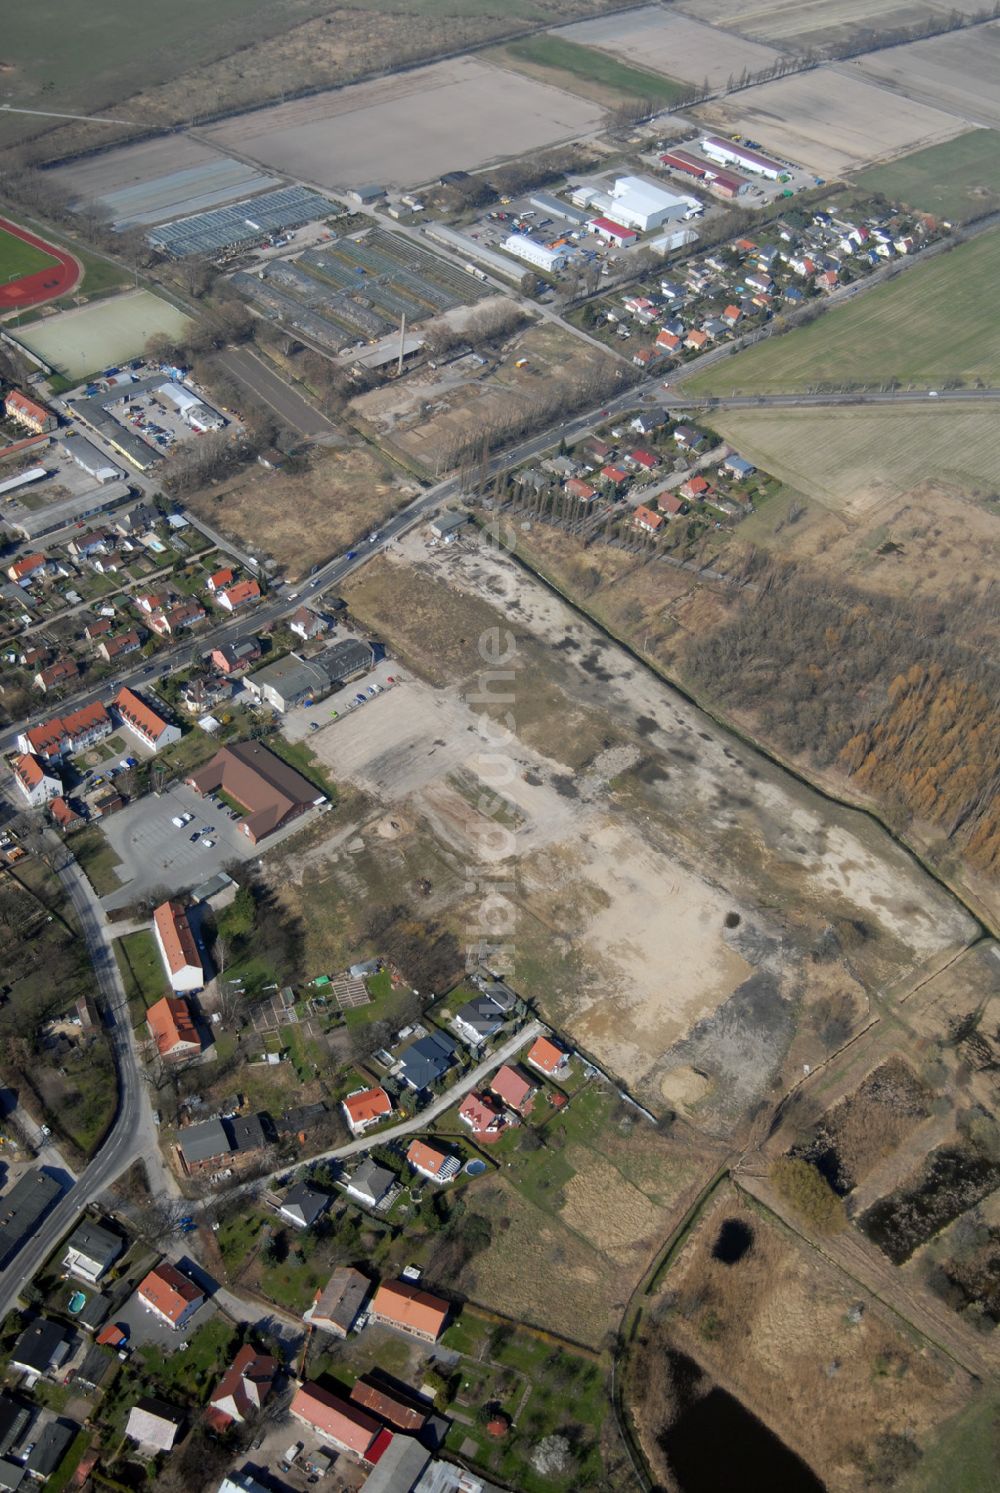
242	224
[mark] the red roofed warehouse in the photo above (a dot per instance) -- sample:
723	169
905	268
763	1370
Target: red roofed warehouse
337	1420
615	233
411	1310
153	729
172	1027
513	1087
269	790
366	1108
29	413
548	1058
169	1295
177	947
65	735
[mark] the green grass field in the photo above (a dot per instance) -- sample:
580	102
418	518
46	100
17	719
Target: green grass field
934	322
588	65
966	1455
18	258
955	181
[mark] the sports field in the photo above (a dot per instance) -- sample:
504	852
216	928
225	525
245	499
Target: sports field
76	343
932	323
955	181
569	65
18	258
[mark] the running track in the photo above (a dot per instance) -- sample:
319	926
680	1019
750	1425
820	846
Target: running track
44	285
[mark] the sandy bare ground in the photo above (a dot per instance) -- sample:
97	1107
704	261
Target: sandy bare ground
673	44
410	128
830	120
663	885
957	72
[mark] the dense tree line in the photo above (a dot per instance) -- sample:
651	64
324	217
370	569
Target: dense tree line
888	690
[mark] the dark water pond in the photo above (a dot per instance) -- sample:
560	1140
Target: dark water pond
714	1445
734	1239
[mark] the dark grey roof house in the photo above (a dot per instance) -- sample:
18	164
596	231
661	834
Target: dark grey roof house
42	1347
50	1448
14	1421
22	1210
91	1250
302	1205
371	1183
204	1142
426	1061
478	1019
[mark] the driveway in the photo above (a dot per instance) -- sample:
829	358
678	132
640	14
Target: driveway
153	852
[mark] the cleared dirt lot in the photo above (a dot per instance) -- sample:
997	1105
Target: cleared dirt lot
430	415
799	24
303	518
830	121
957	72
645	851
408	129
673	44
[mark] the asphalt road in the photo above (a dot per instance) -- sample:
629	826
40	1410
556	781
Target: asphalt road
132	1134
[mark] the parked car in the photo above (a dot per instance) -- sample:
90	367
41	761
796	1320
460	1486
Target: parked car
208	844
195	836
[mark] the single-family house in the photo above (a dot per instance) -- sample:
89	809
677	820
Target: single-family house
670	504
577	488
645	518
178	949
647	461
695	489
513	1086
731	316
63	815
644	357
150	602
243	1388
126	642
338	1306
59	672
91	1250
244	593
409	1309
483	1115
204	1145
668	342
38	783
22	572
230	658
307	624
99	628
172	1297
153	1425
172	1027
595	447
646	421
89	544
548	1057
478	1020
303	1205
371	1184
176	618
426	1061
221	579
365	1108
738	467
615	475
428	1161
687	438
696	340
41	1348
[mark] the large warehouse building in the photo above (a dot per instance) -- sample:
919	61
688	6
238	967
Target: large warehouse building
731	154
641	204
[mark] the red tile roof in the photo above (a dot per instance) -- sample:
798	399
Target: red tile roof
245	1385
408	1307
47	738
171	923
510	1085
546	1055
481	1113
419	1153
367	1106
241	592
169	1291
133	709
343	1422
170	1022
27	770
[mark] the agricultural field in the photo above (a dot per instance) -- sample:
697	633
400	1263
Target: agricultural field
83	341
670	43
103	64
828	121
304	517
955	181
755	1309
614	799
429	417
580	69
798	25
928	325
852	460
390	130
957	72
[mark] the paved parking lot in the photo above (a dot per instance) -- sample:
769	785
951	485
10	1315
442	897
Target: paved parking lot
297	724
153	852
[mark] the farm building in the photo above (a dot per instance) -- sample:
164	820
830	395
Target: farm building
730	154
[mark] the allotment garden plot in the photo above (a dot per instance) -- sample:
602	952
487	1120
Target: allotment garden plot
76	343
391	131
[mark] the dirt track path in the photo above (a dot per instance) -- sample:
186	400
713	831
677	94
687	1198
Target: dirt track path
903	1295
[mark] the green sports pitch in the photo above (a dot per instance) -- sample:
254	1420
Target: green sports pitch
18	258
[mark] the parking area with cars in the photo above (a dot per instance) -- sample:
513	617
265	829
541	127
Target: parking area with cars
303	722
